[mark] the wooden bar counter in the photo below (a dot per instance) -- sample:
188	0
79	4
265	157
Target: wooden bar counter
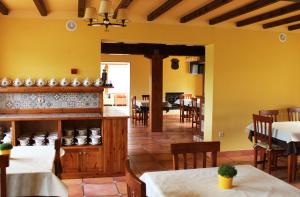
106	159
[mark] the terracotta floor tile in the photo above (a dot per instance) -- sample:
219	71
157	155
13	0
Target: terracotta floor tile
72	181
75	190
92	190
98	180
122	187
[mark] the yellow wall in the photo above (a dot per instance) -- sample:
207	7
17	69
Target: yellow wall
252	70
173	80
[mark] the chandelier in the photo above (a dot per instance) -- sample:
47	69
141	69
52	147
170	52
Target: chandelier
106	13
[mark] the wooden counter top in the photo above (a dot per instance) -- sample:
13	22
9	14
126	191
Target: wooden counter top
108	112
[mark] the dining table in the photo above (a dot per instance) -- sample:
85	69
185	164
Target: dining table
203	182
143	105
287	135
30	172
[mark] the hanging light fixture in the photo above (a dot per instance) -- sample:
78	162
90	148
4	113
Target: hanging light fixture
106	12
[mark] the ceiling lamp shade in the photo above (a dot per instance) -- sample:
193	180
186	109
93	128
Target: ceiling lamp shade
90	14
105	8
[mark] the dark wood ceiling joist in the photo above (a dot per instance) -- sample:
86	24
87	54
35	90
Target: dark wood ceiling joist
242	10
41	6
148	49
81	8
203	10
282	22
268	15
122	4
3	9
162	9
294	27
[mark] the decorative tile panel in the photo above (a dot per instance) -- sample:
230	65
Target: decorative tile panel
48	100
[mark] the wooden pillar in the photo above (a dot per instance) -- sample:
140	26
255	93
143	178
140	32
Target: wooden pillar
156	89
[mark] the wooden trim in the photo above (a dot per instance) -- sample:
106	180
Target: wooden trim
41	6
282	22
122	4
242	10
75	147
47	89
294	27
81	8
203	10
274	13
50	111
162	9
3	9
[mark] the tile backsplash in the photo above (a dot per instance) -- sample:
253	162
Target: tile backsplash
48	100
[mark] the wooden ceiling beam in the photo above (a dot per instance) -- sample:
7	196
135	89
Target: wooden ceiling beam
122	4
3	9
162	9
242	10
41	6
274	13
282	22
294	27
81	8
203	10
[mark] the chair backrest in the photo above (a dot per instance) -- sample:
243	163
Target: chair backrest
194	148
187	96
133	102
262	129
4	163
146	97
270	113
294	114
135	187
57	161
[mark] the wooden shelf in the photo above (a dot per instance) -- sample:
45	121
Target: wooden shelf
82	146
47	89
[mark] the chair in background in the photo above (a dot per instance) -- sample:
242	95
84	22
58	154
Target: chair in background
57	161
197	111
185	111
269	113
145	97
4	163
136	113
294	114
263	142
194	148
135	187
187	96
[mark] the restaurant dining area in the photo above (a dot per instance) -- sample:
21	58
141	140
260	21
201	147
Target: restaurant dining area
139	98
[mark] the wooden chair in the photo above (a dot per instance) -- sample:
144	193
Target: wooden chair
269	113
4	163
145	97
194	148
197	111
57	161
263	142
136	113
135	187
294	114
185	111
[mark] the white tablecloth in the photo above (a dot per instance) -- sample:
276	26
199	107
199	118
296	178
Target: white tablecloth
285	131
204	182
30	172
145	103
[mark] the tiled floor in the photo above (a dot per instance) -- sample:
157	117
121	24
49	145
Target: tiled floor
151	152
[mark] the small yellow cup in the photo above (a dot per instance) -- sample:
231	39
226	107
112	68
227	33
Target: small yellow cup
224	182
4	152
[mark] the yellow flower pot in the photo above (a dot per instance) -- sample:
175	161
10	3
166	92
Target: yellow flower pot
4	152
225	183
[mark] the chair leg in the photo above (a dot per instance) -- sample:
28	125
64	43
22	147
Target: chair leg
263	160
255	158
269	162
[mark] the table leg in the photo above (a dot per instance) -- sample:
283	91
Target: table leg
145	117
291	167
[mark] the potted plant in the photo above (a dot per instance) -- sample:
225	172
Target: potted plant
5	148
226	173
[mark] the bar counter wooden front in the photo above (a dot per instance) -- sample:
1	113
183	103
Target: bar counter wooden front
84	161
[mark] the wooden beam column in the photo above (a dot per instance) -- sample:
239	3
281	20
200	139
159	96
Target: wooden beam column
156	89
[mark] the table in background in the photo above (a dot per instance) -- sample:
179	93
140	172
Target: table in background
286	135
30	172
144	106
203	182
